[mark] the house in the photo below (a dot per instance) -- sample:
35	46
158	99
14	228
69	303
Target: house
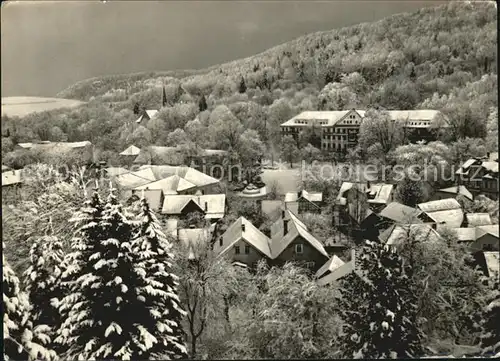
486	238
398	233
212	206
480	176
477	219
465	235
444	212
488	262
145	116
339	129
180	180
377	195
154	197
292	241
335	269
244	243
452	192
306	202
12	178
131	151
131	180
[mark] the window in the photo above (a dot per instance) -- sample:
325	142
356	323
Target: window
220	241
247	249
488	247
299	248
310	265
236	249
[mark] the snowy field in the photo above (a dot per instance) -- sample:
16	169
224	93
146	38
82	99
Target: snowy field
22	106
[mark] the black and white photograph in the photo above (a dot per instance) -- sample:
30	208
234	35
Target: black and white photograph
249	179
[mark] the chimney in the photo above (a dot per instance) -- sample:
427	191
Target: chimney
285	226
243	227
206	206
368	185
283	213
488	155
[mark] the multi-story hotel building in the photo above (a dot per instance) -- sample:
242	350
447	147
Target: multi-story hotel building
339	129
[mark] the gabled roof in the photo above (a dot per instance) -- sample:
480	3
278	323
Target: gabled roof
332	264
216	204
148	114
439	205
132	150
452	218
337	273
378	193
478	219
116	171
296	228
461	189
492	229
400	213
11	177
250	235
420	114
464	169
191	175
62	145
169	185
311	197
135	179
396	234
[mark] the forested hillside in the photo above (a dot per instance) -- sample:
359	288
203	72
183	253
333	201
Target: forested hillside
442	58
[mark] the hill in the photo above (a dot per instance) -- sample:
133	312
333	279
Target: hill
22	106
441	58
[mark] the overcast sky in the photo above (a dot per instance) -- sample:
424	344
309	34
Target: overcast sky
49	45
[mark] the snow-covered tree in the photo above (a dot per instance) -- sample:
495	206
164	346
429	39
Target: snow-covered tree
42	281
490	332
378	307
20	339
159	291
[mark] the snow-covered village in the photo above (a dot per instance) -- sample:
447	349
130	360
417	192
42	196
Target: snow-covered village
250	180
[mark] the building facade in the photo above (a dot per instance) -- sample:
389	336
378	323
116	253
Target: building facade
340	129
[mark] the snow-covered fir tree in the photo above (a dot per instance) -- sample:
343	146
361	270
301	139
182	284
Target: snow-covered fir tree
378	307
159	291
21	340
490	329
42	281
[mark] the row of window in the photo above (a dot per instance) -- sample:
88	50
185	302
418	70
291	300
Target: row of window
340	130
301	121
299	249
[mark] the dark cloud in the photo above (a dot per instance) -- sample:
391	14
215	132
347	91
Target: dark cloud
47	46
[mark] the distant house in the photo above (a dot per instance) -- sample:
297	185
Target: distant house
399	213
486	238
335	269
292	241
452	192
145	116
480	176
488	262
244	243
477	219
377	195
397	234
305	201
12	178
444	212
131	151
212	206
83	151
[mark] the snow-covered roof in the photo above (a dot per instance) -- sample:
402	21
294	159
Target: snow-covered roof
379	193
397	234
11	177
311	197
243	229
135	179
332	264
439	205
478	219
132	150
215	204
461	189
400	213
452	218
492	263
